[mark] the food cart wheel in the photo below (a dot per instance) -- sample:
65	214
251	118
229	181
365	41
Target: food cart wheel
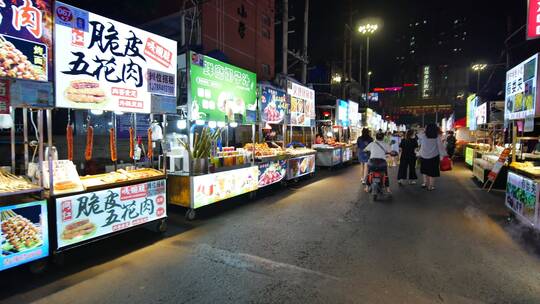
38	267
253	195
191	214
161	226
312	174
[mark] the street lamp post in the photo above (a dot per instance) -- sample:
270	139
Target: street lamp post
478	68
367	29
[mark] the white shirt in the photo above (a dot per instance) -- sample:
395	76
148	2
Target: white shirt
376	151
430	147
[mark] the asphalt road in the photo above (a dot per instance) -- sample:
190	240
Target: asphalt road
319	241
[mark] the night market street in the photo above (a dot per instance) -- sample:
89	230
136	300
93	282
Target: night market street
328	243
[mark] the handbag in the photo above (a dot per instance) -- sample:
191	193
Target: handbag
446	164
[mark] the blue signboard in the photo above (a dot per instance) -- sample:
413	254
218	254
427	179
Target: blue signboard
24	235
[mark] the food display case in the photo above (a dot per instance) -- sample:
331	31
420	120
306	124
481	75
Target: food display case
484	163
105	180
211	133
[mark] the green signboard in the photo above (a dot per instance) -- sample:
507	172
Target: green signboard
220	91
469	156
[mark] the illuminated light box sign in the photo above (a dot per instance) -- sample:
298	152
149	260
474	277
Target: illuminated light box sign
272	172
83	217
24	235
343	113
300	166
302	101
472	101
26	39
354	116
469	155
533	19
273	105
220	91
481	114
211	188
522	196
521	90
107	65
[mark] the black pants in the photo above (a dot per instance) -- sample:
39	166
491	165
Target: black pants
404	164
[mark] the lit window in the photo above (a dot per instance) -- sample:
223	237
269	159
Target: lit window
440	42
412	51
464	33
455	50
425	21
417	23
456	21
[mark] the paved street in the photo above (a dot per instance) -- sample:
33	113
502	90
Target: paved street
321	241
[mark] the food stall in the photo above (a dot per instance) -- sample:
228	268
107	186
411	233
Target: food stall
221	98
104	182
355	128
25	100
335	151
301	159
521	110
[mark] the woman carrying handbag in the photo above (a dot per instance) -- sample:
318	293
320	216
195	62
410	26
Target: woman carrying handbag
432	151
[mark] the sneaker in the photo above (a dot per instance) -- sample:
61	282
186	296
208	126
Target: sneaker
400	182
423	185
412	182
363	182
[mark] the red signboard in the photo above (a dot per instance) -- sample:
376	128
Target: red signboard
533	19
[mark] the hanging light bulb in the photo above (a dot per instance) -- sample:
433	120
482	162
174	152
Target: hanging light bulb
212	124
221	124
233	124
96	112
181	124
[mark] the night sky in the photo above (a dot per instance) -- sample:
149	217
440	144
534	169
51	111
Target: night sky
487	20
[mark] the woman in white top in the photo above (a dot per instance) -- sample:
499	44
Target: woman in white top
431	152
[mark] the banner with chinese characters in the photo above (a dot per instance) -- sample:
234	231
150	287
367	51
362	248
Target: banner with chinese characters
220	91
302	101
522	197
90	215
273	105
354	116
107	65
521	90
342	113
26	39
24	235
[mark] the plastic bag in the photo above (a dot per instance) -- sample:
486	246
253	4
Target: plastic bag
446	164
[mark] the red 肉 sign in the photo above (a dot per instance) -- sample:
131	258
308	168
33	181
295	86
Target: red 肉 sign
533	19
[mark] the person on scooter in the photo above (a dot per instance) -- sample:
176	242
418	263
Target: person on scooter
378	150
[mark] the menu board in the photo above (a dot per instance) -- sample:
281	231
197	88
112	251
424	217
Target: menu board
29	93
354	116
104	64
273	105
220	91
343	113
26	39
65	177
347	154
481	114
302	105
211	188
522	196
24	235
300	166
521	90
90	215
272	172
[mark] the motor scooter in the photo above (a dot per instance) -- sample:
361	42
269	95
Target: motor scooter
377	177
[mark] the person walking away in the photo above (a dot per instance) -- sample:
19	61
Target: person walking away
431	152
407	160
450	144
378	150
363	157
394	142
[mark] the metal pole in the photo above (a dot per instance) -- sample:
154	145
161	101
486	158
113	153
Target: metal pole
12	138
478	83
344	68
360	65
115	163
305	54
367	65
25	138
285	35
49	129
40	148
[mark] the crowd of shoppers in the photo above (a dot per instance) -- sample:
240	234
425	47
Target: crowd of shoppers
423	148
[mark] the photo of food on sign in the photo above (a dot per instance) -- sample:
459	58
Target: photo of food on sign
25	39
107	65
273	172
79	230
19	233
273	105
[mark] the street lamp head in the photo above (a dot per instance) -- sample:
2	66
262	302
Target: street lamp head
336	78
479	67
368	29
369	73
